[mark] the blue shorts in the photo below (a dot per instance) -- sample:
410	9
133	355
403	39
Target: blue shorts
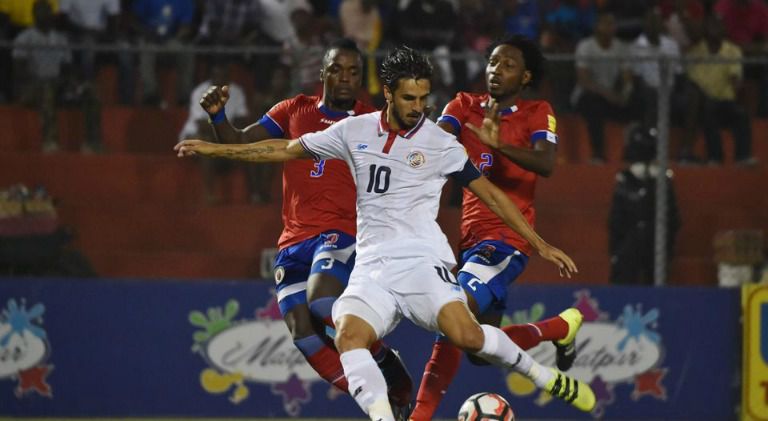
487	269
332	252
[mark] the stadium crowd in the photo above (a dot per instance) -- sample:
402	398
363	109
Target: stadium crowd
289	36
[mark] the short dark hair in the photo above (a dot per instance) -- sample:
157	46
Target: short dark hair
404	62
534	59
341	44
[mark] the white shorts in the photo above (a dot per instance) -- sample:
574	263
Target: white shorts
383	291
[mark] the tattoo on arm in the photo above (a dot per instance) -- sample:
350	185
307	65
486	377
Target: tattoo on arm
247	152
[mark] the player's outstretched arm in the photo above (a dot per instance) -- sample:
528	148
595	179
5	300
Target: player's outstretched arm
499	203
540	159
270	150
213	102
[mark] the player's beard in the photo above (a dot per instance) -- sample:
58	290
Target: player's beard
402	124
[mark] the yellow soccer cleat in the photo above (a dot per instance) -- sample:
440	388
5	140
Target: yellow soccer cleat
566	347
575	392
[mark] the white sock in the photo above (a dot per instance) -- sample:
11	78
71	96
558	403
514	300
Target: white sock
366	384
500	350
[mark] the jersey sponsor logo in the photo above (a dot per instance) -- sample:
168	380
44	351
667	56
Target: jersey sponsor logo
551	123
416	159
279	274
327	121
362	146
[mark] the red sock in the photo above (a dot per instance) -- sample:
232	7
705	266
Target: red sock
328	365
531	334
438	374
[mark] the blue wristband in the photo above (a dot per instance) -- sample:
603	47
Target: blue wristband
219	117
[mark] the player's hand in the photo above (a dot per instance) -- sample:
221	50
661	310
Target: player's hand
564	263
214	98
191	147
488	133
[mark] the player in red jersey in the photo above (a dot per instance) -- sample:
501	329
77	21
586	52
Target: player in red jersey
512	141
317	245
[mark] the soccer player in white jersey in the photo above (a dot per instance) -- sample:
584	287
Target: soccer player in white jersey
400	162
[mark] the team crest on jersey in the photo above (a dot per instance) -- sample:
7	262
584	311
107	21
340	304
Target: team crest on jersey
331	239
279	274
416	159
487	251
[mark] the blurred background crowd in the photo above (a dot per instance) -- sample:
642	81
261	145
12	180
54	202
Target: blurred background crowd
609	61
284	40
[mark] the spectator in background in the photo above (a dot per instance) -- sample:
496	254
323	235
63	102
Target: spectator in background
197	127
522	17
230	22
45	77
683	20
603	84
429	25
713	102
15	16
304	54
277	19
361	22
569	22
632	220
479	25
279	33
629	17
746	24
564	25
164	23
651	45
92	22
5	57
236	23
21	13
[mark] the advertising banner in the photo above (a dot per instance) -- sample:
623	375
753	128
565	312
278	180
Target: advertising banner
130	348
755	374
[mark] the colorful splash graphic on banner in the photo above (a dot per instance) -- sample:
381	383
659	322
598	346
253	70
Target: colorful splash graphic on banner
24	349
251	350
613	350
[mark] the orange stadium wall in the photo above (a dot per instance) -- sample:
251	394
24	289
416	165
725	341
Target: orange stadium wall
137	210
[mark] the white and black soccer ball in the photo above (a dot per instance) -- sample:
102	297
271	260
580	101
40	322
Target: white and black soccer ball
486	407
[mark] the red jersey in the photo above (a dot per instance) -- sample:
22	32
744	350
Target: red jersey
317	195
522	125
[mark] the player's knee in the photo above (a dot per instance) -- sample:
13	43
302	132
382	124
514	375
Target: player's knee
345	339
300	324
352	335
469	340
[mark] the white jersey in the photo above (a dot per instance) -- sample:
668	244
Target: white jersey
399	179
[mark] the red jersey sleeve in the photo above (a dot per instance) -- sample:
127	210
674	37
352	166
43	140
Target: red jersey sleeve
277	119
543	123
455	112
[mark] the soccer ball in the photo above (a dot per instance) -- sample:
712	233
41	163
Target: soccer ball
486	407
